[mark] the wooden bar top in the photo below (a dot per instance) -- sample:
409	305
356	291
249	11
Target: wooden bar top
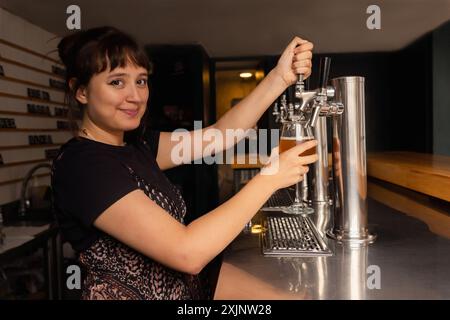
425	173
421	172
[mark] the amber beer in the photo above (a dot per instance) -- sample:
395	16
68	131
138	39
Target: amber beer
289	142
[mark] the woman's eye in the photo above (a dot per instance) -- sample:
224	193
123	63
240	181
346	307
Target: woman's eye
142	82
116	83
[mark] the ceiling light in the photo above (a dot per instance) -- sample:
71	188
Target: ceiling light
245	75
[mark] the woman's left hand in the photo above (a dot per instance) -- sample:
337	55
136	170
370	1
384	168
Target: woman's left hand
295	60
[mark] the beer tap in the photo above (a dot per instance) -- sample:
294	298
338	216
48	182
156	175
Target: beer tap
290	95
283	108
311	107
304	97
322	106
276	111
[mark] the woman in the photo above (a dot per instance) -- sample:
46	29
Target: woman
114	203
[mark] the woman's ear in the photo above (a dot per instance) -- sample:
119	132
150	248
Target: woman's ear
80	94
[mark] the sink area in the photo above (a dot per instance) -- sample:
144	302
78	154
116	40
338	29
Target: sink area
18	235
32	217
34	208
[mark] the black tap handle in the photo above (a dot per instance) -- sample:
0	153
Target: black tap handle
324	71
307	84
290	94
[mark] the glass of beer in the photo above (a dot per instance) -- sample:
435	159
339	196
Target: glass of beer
292	134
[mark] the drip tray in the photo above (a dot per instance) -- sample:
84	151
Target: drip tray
277	201
292	235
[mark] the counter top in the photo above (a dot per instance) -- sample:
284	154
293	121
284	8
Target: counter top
16	236
25	238
407	261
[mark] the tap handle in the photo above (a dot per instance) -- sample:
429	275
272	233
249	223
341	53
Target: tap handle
290	94
307	84
324	71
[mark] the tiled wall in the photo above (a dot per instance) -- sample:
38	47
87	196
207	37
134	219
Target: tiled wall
21	47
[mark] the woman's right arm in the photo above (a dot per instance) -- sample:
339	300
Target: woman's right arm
144	226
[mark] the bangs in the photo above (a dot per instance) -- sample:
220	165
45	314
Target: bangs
111	52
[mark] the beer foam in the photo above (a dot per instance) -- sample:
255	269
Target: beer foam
295	138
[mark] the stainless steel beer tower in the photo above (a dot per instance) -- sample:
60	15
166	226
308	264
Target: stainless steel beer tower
344	103
349	163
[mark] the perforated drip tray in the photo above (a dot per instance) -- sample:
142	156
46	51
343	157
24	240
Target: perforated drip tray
292	235
280	199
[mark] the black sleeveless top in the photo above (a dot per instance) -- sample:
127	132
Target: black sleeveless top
88	177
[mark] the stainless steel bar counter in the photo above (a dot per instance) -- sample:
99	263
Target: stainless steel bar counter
409	260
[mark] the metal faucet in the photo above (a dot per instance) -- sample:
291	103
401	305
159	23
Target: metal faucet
26	180
311	109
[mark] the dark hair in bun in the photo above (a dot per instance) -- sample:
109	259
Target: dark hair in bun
88	52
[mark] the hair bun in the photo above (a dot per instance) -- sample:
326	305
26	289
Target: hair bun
71	44
68	47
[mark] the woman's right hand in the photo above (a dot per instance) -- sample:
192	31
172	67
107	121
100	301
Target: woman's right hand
286	169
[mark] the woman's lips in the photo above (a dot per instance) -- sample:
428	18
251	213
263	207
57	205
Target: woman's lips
130	113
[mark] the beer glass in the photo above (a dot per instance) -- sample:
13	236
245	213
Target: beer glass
292	134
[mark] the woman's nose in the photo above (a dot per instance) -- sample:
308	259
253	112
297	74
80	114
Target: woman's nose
135	94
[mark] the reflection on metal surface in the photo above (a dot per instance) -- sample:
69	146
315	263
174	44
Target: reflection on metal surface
308	276
352	271
322	217
320	177
411	203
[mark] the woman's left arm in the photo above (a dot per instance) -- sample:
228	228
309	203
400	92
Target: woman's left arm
295	60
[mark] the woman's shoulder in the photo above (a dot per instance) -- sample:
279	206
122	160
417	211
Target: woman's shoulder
80	152
75	148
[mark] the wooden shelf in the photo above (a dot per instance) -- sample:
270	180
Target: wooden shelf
27	114
21	163
3	183
28	146
25	66
16	96
31	130
40	55
425	173
29	83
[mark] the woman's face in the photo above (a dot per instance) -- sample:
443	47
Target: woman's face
116	100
